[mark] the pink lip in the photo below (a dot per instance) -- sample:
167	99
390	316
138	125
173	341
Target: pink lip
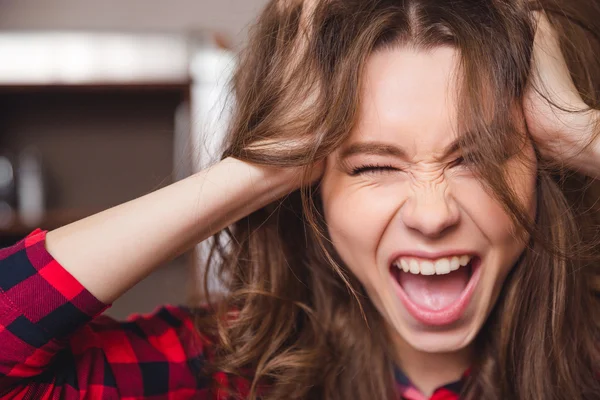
447	315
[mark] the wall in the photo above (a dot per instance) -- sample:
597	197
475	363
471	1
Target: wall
228	16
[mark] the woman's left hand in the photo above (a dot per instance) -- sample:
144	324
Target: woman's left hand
556	115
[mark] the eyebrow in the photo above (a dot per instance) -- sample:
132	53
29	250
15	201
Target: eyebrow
386	149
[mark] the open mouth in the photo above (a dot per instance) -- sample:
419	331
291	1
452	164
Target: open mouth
436	292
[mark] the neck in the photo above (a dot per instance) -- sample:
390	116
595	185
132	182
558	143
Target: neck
429	371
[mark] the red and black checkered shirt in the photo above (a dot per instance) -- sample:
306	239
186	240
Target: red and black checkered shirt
54	344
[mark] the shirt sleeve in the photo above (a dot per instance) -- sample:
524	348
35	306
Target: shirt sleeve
54	344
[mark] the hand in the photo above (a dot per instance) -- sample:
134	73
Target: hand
293	176
556	115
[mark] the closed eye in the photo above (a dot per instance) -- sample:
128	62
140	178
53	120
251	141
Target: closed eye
457	161
460	162
372	169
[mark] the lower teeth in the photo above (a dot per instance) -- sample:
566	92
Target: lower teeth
435	291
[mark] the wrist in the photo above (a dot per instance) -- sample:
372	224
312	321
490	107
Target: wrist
272	183
253	186
594	134
585	126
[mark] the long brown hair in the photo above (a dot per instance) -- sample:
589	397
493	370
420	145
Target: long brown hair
294	321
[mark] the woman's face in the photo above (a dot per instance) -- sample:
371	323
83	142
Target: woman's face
416	227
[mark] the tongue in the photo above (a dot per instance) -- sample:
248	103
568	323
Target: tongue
434	291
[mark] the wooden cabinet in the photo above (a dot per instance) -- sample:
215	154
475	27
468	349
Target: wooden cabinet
99	146
99	109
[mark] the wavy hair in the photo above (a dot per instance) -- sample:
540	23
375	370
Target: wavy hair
294	322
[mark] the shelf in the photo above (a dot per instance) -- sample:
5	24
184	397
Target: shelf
102	111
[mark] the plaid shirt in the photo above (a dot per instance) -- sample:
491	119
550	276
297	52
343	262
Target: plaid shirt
54	344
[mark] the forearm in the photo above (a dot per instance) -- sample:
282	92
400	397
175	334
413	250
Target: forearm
111	251
595	126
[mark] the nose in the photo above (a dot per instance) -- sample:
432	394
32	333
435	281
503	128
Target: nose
430	210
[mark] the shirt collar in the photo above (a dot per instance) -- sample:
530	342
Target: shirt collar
408	391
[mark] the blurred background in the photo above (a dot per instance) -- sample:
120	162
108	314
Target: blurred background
105	101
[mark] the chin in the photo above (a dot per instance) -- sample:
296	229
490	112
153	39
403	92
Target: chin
452	337
438	340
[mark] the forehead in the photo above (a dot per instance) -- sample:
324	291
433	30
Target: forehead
408	98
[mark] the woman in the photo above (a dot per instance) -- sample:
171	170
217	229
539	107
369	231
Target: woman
435	236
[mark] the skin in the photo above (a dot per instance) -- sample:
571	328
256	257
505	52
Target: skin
564	136
422	203
105	253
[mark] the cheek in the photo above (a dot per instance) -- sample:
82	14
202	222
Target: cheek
488	214
484	210
487	211
492	221
357	216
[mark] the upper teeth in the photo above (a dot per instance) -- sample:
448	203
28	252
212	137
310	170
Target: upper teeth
429	267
